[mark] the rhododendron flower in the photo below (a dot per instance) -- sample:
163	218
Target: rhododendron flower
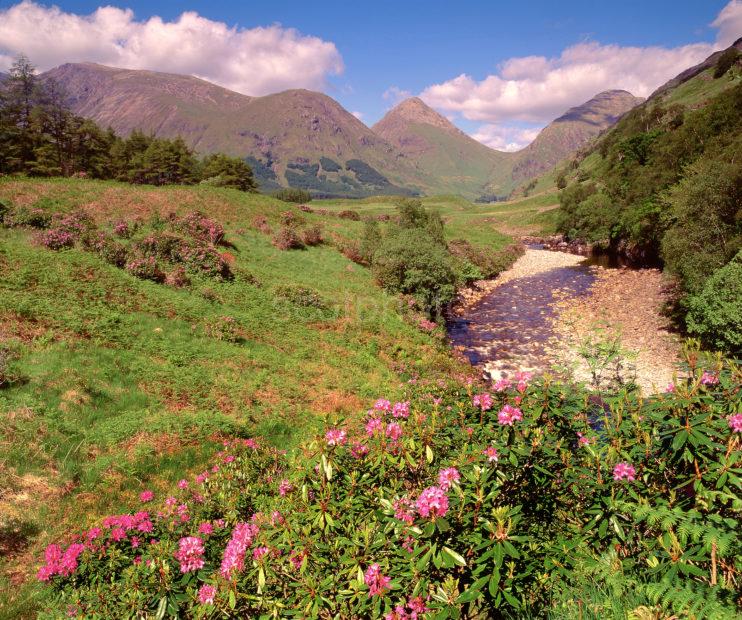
202	477
93	533
393	431
134	541
374	426
483	401
206	594
171	501
382	405
377	583
251	443
670	388
735	422
502	384
259	552
233	559
523	378
709	378
118	533
285	488
408	544
584	440
297	558
205	528
182	484
403	510
335	437
491	453
508	415
229	458
359	450
401	410
190	554
624	471
448	477
432	502
146	496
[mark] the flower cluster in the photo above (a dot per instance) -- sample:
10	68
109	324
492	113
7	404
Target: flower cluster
432	502
624	471
448	477
735	422
58	562
242	539
482	401
336	437
377	583
190	554
509	415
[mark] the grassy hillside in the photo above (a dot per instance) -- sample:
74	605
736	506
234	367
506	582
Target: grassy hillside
118	384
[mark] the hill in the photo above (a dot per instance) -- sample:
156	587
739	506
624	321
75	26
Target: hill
298	137
457	162
571	131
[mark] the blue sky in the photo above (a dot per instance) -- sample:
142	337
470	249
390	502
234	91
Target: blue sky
455	53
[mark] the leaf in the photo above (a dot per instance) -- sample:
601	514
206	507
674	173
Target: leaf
494	585
455	556
468	595
429	454
232	600
161	608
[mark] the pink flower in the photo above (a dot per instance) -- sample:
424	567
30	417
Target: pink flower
335	437
251	443
146	496
502	385
624	471
735	422
670	388
448	477
229	458
259	552
374	426
377	583
206	594
183	484
202	477
433	501
205	528
523	378
584	440
297	559
483	401
233	559
382	405
709	378
93	533
359	450
401	410
491	453
190	554
403	510
118	533
508	415
285	488
393	431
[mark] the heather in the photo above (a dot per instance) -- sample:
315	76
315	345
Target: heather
530	499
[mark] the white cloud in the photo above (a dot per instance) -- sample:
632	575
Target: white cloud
358	115
253	61
537	89
504	137
394	95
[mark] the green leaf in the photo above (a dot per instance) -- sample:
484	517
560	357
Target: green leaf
455	556
429	454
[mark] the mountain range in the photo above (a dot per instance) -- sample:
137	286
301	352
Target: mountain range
306	139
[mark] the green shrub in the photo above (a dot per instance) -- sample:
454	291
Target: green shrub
146	269
349	214
4	210
301	296
715	314
31	218
292	194
287	239
312	235
413	215
370	241
224	171
411	262
725	62
489	262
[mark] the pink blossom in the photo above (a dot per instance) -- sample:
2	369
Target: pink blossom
259	552
374	426
206	594
202	477
297	558
277	518
502	384
709	378
285	488
146	496
447	477
359	450
93	533
233	559
118	533
382	405
408	544
229	458
584	440
251	443
205	528
491	453
624	471
403	510
393	431
735	422
377	583
401	410
433	501
183	484
670	388
335	437
508	415
134	542
190	554
483	401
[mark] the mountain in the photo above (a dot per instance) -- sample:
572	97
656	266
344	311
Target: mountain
571	131
298	137
456	161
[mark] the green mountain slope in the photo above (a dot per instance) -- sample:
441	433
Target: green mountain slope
283	135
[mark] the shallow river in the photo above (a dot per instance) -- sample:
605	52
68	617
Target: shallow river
509	329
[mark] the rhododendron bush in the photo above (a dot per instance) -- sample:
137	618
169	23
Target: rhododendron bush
454	502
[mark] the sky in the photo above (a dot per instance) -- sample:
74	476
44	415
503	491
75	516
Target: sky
500	70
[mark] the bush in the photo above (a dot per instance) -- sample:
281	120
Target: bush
370	241
352	250
110	250
490	263
260	223
290	218
146	269
291	194
163	245
409	261
5	208
349	214
715	314
122	229
8	373
200	227
56	239
287	239
206	261
312	235
178	277
726	61
31	218
452	504
301	296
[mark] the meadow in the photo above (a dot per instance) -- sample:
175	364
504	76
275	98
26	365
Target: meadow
121	383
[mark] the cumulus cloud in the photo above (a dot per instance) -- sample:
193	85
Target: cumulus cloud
394	95
504	137
358	115
253	61
537	89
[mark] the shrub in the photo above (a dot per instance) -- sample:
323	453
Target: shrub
349	214
301	296
715	314
110	250
200	227
490	263
146	268
306	208
290	218
31	218
56	239
260	223
352	250
178	277
726	61
205	260
4	210
76	223
224	328
504	504
312	235
413	215
122	229
291	194
8	373
409	261
370	241
287	239
163	245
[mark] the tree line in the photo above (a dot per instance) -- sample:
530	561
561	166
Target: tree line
40	136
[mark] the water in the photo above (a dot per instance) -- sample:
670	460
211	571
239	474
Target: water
511	328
